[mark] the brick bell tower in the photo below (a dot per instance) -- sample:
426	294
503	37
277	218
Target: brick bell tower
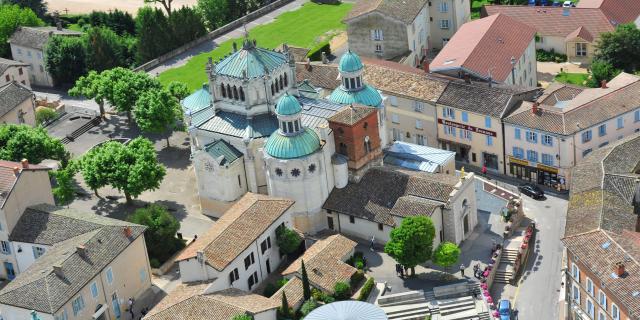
356	135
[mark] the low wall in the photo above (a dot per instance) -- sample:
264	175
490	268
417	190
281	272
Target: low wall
211	35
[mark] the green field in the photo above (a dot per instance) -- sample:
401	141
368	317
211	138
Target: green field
303	28
572	78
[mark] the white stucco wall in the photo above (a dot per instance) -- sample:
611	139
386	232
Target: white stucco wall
463	203
35	58
548	43
14	74
24	253
226	182
361	228
525	69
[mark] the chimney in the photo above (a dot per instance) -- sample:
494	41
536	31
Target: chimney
603	84
16	171
127	232
82	251
534	108
25	164
618	269
57	269
425	66
324	58
308	65
235	47
467	78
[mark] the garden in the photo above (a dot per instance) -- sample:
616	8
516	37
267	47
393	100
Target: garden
309	26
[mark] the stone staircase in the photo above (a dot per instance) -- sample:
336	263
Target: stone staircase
84	128
504	273
411	305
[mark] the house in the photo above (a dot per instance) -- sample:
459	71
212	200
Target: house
602	234
17	104
325	263
547	138
403	31
86	266
422	158
496	48
23	185
28	45
385	195
190	302
240	251
11	71
571	31
470	121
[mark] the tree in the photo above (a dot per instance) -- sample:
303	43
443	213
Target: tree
284	309
65	59
19	142
12	17
342	291
411	243
44	115
242	317
446	255
308	306
306	287
154	34
105	49
178	89
38	7
91	86
119	21
64	192
214	12
94	165
165	3
288	240
157	111
620	48
160	235
123	87
186	25
601	71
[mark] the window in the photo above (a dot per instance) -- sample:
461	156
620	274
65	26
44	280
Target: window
603	144
547	159
109	275
78	305
420	139
620	123
37	252
590	308
449	113
94	290
465	134
602	299
378	48
419	124
377	34
487	122
581	49
265	245
444	24
465	116
6	247
253	279
546	140
395	118
636	116
7	78
590	289
615	312
518	152
397	134
489	140
444	6
19	51
143	275
418	106
601	316
576	294
602	130
586	136
62	315
532	137
532	155
233	276
393	101
352	219
517	133
586	152
248	261
380	226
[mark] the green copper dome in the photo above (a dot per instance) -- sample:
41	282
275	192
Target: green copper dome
288	105
251	62
350	62
290	147
367	96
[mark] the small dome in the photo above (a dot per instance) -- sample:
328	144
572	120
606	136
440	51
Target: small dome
288	105
350	62
367	96
290	147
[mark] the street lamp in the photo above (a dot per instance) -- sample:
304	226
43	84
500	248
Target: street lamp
513	70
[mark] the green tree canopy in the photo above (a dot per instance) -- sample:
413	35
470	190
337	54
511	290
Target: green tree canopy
160	235
91	86
446	255
64	192
186	25
284	308
19	142
288	240
308	306
178	89
12	17
214	12
153	32
412	242
65	59
39	7
119	21
122	88
105	49
620	48
306	287
157	111
600	71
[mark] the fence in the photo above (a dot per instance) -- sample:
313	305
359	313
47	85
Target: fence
212	35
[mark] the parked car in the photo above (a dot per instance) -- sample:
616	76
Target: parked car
568	4
532	191
504	309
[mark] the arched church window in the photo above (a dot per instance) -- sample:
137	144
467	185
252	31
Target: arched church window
286	80
235	93
229	93
279	172
223	90
367	145
295	172
290	126
312	168
281	82
241	94
353	83
277	87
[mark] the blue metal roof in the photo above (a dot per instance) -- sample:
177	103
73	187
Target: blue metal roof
288	105
237	125
350	62
197	100
367	96
251	61
221	148
417	157
351	310
291	147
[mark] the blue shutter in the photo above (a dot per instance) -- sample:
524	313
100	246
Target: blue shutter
487	122
489	140
465	116
517	133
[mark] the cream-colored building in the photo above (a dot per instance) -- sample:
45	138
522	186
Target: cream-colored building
11	71
17	104
90	268
446	17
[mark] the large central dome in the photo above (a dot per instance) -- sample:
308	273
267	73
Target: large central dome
251	61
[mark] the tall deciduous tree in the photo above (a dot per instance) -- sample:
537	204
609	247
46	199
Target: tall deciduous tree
214	12
178	89
91	86
19	142
123	87
64	192
39	7
65	59
601	71
412	242
620	48
166	4
160	235
446	255
306	287
153	32
12	17
105	49
157	111
186	25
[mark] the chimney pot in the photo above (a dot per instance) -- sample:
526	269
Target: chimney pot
57	269
127	232
467	78
603	84
25	163
82	251
308	64
534	108
16	171
425	66
619	269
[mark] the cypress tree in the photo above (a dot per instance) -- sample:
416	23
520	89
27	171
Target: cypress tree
306	288
285	306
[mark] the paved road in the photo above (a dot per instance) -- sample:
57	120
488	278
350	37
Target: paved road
183	58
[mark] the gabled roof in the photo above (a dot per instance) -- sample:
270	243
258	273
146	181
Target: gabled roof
405	11
485	47
581	33
8	178
618	11
480	98
6	64
13	94
238	228
37	37
223	152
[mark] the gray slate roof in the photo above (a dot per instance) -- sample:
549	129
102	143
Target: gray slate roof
39	288
6	64
11	95
384	192
480	98
403	10
37	37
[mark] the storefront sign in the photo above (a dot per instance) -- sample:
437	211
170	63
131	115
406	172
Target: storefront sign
467	127
547	168
518	161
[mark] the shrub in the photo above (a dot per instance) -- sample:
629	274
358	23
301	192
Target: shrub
315	54
357	278
154	263
366	289
282	282
160	235
550	56
342	291
44	115
269	290
288	240
242	317
308	306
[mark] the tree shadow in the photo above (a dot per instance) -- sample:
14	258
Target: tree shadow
115	207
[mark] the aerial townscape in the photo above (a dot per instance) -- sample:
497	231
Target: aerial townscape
320	160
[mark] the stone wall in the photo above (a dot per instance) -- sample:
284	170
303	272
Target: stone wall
394	36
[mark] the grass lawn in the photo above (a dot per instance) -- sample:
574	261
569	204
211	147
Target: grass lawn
74	27
302	28
572	78
476	5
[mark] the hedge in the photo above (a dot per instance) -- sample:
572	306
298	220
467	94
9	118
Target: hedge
366	289
550	56
315	54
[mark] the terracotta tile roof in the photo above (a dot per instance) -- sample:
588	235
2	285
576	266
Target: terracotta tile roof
409	206
485	45
480	98
558	92
240	226
618	11
320	75
350	115
550	21
403	10
580	33
188	302
293	290
8	178
598	251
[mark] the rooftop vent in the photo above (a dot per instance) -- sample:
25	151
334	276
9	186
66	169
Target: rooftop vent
606	245
127	232
82	251
57	269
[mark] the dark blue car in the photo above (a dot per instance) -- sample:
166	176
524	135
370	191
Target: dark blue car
504	308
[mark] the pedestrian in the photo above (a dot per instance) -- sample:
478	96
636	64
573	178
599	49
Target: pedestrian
406	270
462	270
484	170
398	268
401	272
130	304
373	242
